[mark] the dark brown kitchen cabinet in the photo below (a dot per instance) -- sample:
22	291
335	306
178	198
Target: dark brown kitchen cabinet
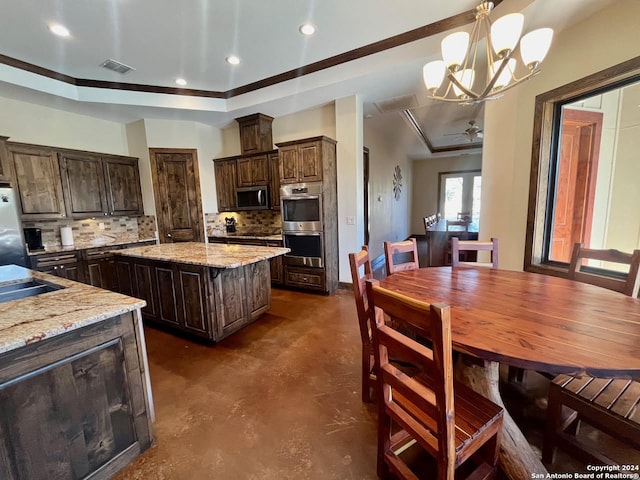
100	269
122	184
66	265
83	184
231	288
302	160
252	170
225	172
177	295
307	278
36	176
4	161
255	133
274	180
74	405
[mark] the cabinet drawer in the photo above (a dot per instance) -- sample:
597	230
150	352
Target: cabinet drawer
306	278
41	261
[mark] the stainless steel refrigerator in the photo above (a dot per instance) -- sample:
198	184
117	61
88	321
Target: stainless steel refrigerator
12	246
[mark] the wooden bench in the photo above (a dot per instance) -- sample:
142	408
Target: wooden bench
611	405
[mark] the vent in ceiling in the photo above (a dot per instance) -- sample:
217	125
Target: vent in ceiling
397	104
116	66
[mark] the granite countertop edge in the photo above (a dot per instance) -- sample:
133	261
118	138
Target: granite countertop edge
87	246
30	320
206	255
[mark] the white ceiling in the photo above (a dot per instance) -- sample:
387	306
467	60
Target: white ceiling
167	39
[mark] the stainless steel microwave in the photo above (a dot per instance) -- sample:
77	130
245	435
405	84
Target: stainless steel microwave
253	198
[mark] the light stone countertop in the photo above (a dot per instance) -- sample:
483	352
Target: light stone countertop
96	243
208	255
29	320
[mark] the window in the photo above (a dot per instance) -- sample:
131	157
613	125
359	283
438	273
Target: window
585	169
460	193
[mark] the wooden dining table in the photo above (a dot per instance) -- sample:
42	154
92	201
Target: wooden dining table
533	321
439	240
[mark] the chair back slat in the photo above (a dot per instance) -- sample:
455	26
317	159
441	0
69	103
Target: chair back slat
628	285
458	246
394	249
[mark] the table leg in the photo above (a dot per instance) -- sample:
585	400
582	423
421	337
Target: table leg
517	459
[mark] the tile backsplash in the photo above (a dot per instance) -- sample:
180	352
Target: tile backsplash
87	230
258	220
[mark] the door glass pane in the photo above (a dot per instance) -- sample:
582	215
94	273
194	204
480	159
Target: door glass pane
475	208
453	197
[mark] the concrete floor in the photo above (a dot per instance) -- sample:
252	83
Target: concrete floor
278	400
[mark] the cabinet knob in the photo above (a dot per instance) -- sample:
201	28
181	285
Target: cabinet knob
61	267
168	235
105	213
55	268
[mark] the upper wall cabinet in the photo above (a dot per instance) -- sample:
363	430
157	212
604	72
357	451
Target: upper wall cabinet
122	183
4	161
83	184
301	161
255	133
225	172
54	183
37	180
253	170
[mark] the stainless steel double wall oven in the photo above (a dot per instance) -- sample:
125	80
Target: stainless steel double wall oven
302	228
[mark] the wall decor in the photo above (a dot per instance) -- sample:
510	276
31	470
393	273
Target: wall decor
397	182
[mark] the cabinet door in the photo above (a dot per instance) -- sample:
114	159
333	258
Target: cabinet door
4	160
258	288
229	289
244	176
167	301
310	158
274	181
289	164
253	171
225	172
122	183
144	288
83	184
37	178
250	137
193	299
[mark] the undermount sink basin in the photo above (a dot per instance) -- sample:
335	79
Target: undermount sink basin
26	289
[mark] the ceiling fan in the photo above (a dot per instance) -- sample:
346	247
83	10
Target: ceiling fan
472	132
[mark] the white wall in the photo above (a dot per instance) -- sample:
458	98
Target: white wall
599	42
425	184
389	218
348	121
29	123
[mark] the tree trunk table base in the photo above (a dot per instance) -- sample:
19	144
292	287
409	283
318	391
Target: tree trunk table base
517	459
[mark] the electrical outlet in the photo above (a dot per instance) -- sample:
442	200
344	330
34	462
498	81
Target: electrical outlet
351	220
101	225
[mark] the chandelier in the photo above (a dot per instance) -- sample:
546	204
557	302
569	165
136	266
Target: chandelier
462	58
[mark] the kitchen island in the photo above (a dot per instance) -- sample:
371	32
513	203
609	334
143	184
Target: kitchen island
75	398
209	291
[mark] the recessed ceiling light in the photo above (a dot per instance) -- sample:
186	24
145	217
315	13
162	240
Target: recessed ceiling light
59	30
233	60
307	29
181	81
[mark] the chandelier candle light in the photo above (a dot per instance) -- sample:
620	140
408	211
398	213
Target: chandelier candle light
460	54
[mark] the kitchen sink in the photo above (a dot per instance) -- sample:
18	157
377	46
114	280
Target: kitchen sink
14	291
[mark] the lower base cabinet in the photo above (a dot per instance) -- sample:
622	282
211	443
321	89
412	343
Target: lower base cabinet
65	265
307	278
207	302
74	406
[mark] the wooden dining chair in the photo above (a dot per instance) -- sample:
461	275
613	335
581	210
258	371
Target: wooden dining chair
361	262
609	405
458	246
401	256
447	419
457	225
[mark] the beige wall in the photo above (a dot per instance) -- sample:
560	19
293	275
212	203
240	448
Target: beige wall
425	184
388	218
29	123
601	41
